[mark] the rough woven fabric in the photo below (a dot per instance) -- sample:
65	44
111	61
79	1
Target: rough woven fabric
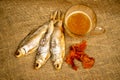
19	17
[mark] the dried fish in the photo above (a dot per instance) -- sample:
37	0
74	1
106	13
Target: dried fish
43	53
58	43
31	42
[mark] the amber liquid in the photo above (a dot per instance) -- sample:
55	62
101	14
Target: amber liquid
78	23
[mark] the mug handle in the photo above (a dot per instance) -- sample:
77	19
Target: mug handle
97	31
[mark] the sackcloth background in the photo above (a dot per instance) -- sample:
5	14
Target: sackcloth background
19	17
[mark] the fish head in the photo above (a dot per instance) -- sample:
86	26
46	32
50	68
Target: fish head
20	52
38	64
58	63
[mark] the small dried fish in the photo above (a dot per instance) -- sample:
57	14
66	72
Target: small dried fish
43	53
58	43
31	42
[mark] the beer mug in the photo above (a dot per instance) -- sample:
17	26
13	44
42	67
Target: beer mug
81	20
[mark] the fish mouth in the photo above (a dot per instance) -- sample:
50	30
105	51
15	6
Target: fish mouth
58	66
19	53
37	65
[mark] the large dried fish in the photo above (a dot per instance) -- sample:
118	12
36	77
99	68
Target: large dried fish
31	42
43	53
58	43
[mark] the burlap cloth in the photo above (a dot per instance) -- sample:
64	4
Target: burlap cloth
18	18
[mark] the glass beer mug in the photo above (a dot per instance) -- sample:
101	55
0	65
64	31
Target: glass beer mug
81	20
